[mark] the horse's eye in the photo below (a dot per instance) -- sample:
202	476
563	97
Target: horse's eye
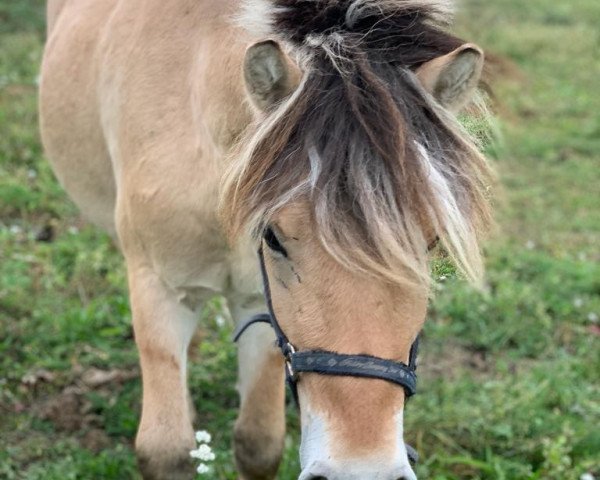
273	242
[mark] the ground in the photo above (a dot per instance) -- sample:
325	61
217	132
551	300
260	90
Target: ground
510	386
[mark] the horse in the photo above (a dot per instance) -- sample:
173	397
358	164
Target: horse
323	132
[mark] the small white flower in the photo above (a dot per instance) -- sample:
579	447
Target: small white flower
530	245
221	321
15	229
593	317
578	302
203	436
204	453
31	174
587	476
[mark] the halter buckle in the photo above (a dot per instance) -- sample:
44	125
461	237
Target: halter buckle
289	351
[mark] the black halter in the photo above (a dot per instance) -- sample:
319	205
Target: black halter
324	362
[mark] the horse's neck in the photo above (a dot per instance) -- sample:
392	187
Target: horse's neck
176	67
173	104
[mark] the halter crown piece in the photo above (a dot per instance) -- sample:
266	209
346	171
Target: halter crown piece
324	362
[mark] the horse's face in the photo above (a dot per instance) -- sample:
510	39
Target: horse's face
348	424
351	427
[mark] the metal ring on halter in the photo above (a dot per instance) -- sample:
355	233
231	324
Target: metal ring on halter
291	374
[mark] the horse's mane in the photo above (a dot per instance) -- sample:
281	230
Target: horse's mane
383	167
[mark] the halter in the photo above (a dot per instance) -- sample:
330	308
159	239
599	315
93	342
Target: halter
324	362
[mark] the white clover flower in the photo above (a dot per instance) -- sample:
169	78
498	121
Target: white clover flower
194	454
587	476
221	321
202	436
203	453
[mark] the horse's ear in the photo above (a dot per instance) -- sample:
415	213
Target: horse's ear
453	78
269	74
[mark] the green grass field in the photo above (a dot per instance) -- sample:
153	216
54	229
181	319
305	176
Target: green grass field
510	385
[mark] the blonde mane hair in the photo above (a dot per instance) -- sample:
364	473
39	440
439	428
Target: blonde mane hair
383	167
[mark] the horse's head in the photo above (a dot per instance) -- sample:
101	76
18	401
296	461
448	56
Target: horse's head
355	166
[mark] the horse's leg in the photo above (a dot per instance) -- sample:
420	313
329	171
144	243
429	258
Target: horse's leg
163	329
260	427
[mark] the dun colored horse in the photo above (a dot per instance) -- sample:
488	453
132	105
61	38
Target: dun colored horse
324	130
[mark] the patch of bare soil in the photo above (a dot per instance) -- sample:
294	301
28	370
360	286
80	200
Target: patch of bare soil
69	410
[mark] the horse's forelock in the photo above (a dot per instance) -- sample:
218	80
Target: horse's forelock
381	165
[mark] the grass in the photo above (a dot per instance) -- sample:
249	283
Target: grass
510	386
